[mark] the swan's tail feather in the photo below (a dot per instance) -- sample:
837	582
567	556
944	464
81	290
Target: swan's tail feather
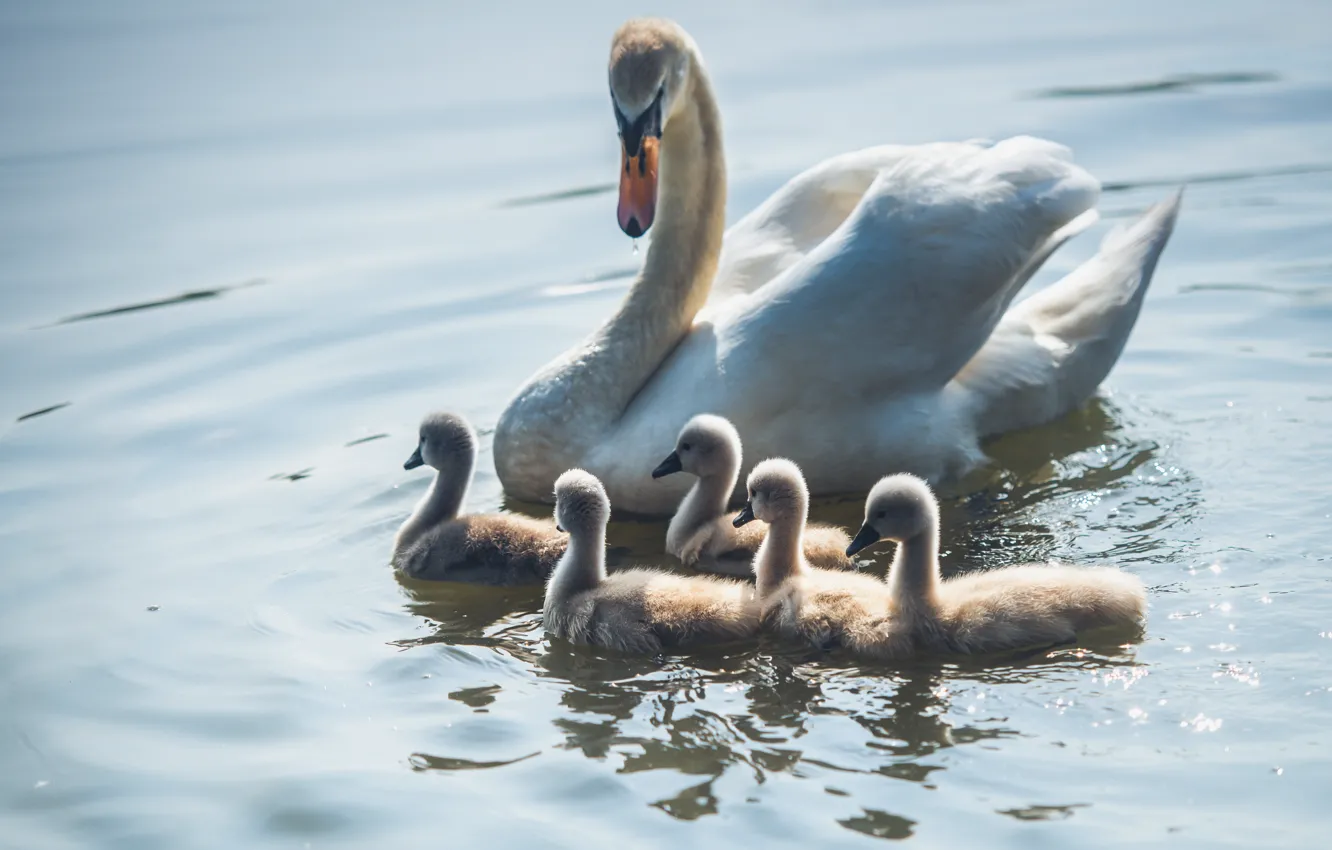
1058	238
1050	352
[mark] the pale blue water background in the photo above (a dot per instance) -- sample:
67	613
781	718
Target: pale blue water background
200	642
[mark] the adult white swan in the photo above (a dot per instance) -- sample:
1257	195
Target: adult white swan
859	323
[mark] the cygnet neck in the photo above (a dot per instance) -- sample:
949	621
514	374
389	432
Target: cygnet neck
583	565
914	575
782	555
444	499
706	500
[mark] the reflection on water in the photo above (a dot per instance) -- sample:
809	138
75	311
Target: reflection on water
182	298
421	761
562	195
1173	83
202	644
769	702
33	414
772	702
1189	178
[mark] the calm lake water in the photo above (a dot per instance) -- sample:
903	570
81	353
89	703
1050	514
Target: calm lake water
244	247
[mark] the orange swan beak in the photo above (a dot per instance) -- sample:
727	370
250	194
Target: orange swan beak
638	187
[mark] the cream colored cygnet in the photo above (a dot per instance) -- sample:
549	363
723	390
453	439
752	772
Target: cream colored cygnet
1008	608
632	610
826	609
437	544
700	533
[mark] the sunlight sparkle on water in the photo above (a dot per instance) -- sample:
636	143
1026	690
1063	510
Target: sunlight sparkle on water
1246	675
1202	723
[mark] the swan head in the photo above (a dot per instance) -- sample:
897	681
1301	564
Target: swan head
708	445
581	503
649	68
776	491
446	441
899	508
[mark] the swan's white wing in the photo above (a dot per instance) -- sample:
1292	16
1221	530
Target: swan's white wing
910	285
778	233
1050	351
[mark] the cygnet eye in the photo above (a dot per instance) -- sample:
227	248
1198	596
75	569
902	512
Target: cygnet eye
881	515
684	447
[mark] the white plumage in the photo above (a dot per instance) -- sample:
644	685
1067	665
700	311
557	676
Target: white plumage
860	319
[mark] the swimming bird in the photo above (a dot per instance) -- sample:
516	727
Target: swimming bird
1008	608
700	533
632	610
437	544
874	291
826	609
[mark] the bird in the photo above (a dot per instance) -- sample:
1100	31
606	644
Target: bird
823	609
634	609
1008	608
435	543
874	292
700	534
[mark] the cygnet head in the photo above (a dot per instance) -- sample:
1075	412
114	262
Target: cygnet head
899	508
776	492
708	445
581	504
649	69
446	440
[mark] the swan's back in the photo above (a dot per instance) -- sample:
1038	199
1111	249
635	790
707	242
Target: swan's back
1032	605
497	549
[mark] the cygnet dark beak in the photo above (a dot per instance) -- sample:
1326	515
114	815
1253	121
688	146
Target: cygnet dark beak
560	528
867	537
746	515
415	460
669	466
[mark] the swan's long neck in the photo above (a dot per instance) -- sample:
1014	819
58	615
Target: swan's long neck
682	257
591	387
704	503
914	576
582	567
781	555
442	501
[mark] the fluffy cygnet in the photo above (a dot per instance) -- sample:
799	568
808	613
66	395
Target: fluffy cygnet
700	533
824	608
1009	608
633	610
435	543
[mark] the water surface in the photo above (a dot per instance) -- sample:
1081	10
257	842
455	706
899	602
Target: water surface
244	247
